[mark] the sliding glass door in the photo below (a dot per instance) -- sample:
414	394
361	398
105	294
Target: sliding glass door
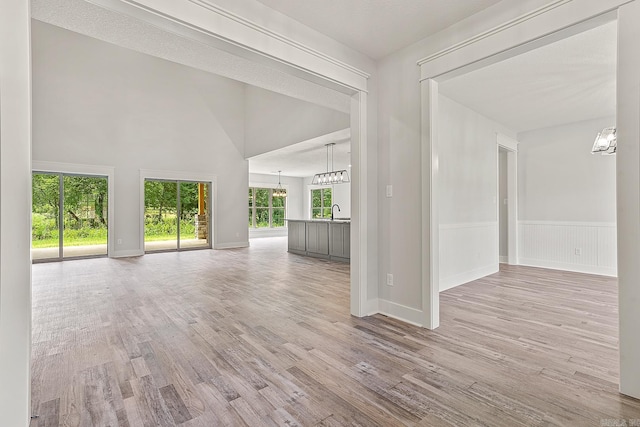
176	215
69	216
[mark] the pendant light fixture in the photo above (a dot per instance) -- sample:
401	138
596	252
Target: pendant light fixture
606	141
279	191
331	176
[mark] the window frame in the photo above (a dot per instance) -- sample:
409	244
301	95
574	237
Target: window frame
322	205
252	206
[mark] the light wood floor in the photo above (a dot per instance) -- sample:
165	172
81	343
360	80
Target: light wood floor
260	337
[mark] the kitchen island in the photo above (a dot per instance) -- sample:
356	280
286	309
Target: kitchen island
328	239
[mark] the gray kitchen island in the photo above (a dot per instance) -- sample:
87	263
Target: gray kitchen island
320	238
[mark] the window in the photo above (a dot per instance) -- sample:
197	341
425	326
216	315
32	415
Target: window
321	203
69	216
265	210
176	215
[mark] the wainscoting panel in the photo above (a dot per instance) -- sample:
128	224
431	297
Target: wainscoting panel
468	252
574	246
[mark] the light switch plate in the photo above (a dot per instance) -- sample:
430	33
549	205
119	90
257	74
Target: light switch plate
389	190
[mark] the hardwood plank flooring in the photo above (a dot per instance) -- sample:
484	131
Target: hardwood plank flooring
257	336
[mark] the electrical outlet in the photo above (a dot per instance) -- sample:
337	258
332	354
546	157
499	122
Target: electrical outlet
389	279
119	241
578	251
389	190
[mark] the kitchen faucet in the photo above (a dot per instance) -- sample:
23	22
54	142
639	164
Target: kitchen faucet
334	205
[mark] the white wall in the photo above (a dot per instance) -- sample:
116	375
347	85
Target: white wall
98	104
15	213
275	121
503	210
468	193
567	199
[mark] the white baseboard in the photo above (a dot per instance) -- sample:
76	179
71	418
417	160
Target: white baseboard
232	245
467	276
588	269
268	232
127	254
400	312
504	259
372	307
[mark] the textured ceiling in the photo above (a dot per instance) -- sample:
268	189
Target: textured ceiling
378	27
568	81
305	158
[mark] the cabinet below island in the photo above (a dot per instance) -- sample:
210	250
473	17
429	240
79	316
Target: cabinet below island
320	239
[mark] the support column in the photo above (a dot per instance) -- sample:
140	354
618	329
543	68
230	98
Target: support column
430	220
15	212
628	195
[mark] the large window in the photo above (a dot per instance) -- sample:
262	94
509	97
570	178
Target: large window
321	203
265	209
69	216
176	215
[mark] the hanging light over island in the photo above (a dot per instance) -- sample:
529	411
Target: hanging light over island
331	176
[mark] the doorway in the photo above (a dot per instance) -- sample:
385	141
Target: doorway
176	215
69	216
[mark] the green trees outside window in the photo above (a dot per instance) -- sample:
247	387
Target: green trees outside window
265	209
170	210
68	211
321	203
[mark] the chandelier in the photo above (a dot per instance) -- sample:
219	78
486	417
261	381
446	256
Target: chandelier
279	191
333	176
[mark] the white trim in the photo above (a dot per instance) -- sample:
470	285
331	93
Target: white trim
227	31
570	223
503	259
467	276
556	23
359	199
400	312
180	176
430	233
258	233
511	146
289	41
232	245
468	225
495	30
578	268
127	253
97	170
506	142
372	307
